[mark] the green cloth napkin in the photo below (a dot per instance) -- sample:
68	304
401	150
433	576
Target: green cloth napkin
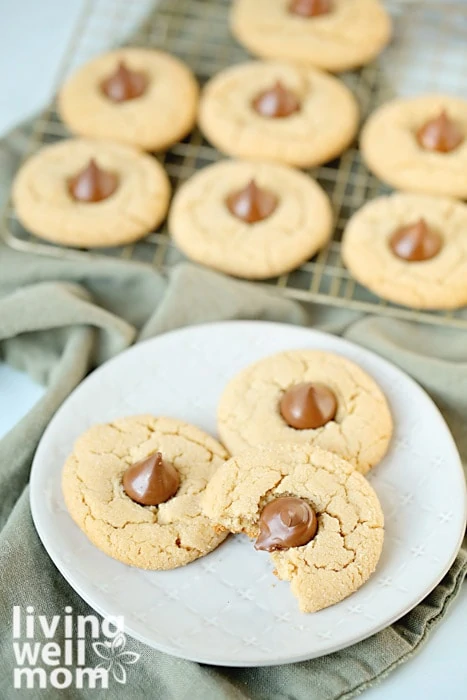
59	319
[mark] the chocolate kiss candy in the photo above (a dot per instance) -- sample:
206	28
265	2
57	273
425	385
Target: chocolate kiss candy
124	84
151	481
286	522
277	102
440	134
252	204
308	406
92	184
310	8
416	242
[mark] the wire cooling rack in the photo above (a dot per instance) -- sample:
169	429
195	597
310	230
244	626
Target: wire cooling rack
427	54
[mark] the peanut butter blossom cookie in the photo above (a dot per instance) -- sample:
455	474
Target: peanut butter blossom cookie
134	487
278	112
411	250
320	519
91	194
141	97
251	220
419	144
307	396
334	35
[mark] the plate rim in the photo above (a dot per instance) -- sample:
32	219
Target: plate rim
136	634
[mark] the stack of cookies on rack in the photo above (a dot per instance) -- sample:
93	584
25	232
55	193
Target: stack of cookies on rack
299	431
258	216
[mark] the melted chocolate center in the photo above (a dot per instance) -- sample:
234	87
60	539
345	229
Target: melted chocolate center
278	102
308	406
286	522
416	242
124	84
151	481
310	8
93	184
252	204
441	134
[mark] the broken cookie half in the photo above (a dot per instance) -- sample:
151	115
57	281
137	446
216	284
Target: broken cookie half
319	519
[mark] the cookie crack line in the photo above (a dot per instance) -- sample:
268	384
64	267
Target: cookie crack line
190	438
172	433
314	543
352	454
336	569
96	518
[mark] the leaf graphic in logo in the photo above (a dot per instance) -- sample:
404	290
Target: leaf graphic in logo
105	665
118	643
115	656
102	649
119	673
128	657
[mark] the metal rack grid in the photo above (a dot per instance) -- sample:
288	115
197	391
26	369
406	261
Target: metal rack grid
426	55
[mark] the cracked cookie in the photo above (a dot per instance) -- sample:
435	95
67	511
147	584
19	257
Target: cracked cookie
265	110
320	520
311	397
411	250
141	97
252	220
333	35
134	486
91	194
419	144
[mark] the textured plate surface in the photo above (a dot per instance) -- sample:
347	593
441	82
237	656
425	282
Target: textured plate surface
228	608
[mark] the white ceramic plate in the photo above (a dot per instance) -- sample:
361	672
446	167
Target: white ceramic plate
228	608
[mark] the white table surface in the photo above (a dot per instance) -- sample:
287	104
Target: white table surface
33	37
